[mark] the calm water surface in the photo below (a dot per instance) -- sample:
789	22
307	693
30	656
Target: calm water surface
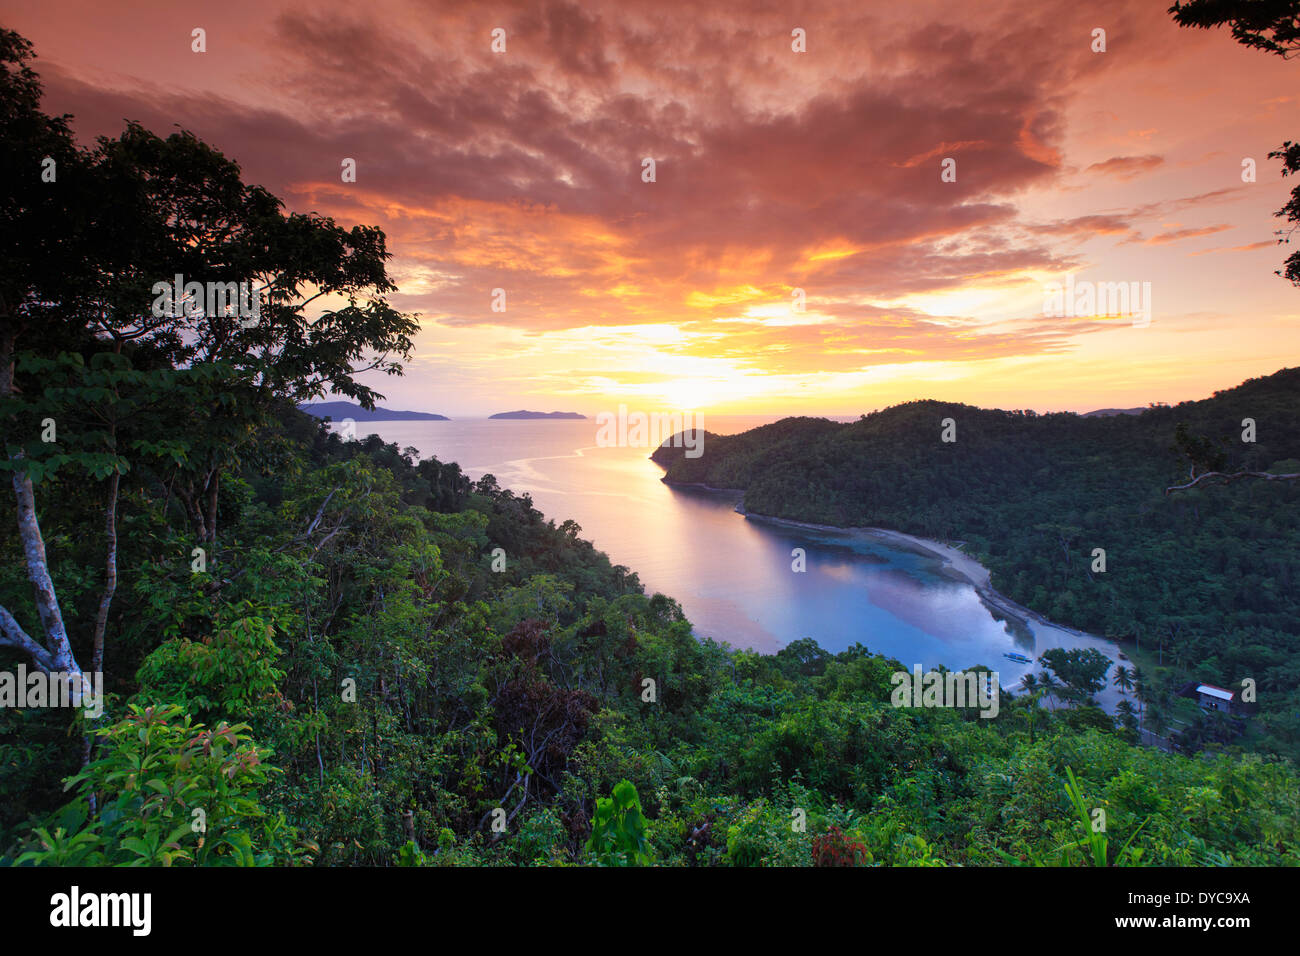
732	575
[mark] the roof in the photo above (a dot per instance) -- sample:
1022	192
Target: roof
1212	691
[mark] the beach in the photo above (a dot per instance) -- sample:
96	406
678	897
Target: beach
1047	634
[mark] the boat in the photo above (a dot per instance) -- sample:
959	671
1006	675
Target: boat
1018	658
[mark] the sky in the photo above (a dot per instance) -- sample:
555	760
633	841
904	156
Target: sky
799	249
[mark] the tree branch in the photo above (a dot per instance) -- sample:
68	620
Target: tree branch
12	635
1224	477
110	576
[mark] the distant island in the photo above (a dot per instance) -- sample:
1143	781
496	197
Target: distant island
337	411
1111	412
530	415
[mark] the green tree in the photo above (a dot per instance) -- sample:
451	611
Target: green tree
618	829
1123	679
170	792
1083	670
136	211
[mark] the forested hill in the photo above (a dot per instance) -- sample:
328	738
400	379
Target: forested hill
1211	573
394	657
322	650
338	411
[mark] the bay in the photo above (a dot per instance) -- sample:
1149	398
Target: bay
733	575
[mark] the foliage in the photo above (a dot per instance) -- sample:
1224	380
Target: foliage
400	690
180	793
834	848
618	830
1199	586
1274	27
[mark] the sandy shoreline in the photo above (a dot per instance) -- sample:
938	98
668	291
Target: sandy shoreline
956	561
962	566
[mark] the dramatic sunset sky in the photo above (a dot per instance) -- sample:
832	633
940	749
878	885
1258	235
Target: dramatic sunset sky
775	170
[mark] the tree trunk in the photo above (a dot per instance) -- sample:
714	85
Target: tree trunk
47	602
210	531
110	575
49	657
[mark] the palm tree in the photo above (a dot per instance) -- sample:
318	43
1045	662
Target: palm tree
1156	720
1123	679
1127	717
1047	683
